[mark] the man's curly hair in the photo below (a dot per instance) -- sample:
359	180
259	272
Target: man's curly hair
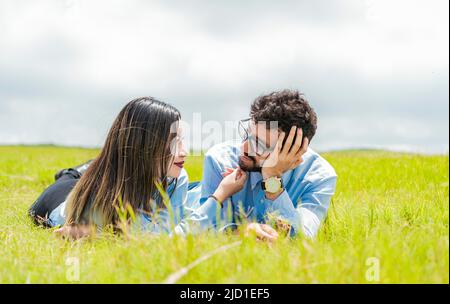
289	108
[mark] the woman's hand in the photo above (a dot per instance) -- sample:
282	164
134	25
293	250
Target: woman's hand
232	183
74	232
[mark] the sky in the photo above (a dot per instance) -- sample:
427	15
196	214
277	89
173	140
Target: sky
376	72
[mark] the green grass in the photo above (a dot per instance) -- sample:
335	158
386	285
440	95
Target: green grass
390	206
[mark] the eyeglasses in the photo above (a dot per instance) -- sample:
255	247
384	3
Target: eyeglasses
256	145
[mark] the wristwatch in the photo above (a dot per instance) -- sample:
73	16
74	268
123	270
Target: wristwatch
272	184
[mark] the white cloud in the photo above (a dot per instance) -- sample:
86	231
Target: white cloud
358	61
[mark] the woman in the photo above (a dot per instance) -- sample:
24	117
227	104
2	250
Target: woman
140	164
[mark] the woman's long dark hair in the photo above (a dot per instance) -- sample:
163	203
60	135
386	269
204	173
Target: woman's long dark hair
136	156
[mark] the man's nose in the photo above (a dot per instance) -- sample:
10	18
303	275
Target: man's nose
247	148
244	146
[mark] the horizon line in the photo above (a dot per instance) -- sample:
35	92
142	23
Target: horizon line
344	149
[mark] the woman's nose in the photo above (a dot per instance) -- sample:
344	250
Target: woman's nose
182	152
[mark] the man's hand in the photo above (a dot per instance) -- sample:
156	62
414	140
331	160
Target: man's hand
283	226
287	157
262	232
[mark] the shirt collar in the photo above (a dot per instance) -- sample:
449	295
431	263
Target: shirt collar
255	178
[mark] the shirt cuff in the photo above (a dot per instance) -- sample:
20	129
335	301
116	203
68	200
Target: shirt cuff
208	209
282	204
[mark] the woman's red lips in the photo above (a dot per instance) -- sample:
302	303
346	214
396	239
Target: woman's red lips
179	164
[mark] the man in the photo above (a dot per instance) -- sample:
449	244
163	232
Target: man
287	181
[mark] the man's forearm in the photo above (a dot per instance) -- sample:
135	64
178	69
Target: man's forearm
273	196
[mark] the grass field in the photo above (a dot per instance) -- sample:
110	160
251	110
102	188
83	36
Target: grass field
390	213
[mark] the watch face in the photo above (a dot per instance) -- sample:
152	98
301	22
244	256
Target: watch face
273	185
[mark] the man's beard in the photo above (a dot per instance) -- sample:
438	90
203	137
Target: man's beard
249	168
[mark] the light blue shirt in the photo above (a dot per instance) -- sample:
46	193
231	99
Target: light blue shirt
303	204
